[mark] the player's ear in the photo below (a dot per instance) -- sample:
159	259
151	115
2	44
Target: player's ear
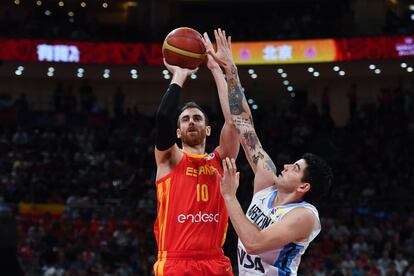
208	130
178	133
304	187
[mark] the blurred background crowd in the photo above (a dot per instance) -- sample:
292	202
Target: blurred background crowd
96	162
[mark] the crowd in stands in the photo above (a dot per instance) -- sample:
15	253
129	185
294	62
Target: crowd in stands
101	168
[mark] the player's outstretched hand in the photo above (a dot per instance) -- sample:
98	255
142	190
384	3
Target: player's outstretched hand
229	182
223	56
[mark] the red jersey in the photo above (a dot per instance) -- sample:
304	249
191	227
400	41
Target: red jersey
192	215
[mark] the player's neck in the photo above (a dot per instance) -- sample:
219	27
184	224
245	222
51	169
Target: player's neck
199	149
285	198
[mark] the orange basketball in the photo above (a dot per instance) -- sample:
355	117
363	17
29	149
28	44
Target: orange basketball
184	47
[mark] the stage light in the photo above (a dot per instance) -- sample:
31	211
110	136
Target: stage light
165	72
193	76
61	3
283	75
250	101
410	69
286	82
39	3
254	76
292	95
17	2
336	68
250	71
341	73
280	70
311	69
134	71
372	66
290	88
377	71
316	74
104	5
167	76
83	4
47	12
255	106
403	65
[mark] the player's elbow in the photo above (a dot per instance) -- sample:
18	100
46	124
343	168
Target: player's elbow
253	245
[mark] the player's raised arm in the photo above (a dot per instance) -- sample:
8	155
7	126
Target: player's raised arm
228	147
262	165
167	153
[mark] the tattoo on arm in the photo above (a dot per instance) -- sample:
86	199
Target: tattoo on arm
257	156
235	94
250	139
269	165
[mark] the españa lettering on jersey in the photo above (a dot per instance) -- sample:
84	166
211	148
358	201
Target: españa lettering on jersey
192	215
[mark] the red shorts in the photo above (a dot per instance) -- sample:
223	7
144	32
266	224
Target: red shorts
192	263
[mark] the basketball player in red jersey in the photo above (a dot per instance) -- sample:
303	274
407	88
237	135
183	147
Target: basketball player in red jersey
192	219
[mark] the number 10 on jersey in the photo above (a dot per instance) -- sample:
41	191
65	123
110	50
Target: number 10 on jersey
202	192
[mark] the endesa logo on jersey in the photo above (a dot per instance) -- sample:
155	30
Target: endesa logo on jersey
198	218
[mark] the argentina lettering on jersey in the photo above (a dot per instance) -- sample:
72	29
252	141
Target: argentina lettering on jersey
278	261
258	217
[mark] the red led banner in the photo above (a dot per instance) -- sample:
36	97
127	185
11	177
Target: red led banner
80	52
245	53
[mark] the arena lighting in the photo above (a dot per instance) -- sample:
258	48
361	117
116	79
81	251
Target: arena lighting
18	72
106	73
250	71
39	3
134	76
165	72
47	12
341	73
254	76
285	82
410	69
51	69
292	94
403	65
104	5
83	4
316	74
81	70
289	88
336	68
71	13
167	77
377	71
193	76
20	68
255	106
283	75
61	3
412	17
311	69
250	101
372	66
280	70
17	2
134	71
50	74
411	7
79	75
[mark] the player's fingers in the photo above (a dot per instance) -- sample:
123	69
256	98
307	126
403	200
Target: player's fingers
225	170
233	162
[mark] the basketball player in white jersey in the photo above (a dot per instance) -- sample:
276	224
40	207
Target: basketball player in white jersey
280	222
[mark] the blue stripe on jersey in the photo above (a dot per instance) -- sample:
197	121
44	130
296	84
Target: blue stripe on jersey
286	256
271	199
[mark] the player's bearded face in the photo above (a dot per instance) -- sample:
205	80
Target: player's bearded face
193	129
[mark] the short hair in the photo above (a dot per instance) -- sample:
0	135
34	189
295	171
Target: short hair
192	105
319	174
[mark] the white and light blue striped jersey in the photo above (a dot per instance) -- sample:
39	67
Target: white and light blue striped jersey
279	261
